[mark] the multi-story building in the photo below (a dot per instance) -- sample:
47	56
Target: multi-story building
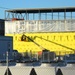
42	28
6	43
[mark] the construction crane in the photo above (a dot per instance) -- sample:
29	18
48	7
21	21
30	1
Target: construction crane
57	44
23	38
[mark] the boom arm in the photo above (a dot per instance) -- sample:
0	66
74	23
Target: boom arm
57	44
32	41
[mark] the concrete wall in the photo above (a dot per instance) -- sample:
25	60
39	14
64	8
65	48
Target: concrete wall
23	70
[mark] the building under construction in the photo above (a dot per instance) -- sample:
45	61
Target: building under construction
42	28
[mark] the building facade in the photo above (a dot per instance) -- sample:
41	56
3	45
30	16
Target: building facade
42	28
6	45
2	27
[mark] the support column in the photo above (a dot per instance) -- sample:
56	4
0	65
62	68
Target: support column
39	15
26	15
65	20
45	16
33	16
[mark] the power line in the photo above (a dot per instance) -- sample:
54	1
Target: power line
4	8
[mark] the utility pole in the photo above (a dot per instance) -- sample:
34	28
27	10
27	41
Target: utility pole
7	61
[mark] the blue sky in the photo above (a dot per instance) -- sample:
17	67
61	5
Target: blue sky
12	4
